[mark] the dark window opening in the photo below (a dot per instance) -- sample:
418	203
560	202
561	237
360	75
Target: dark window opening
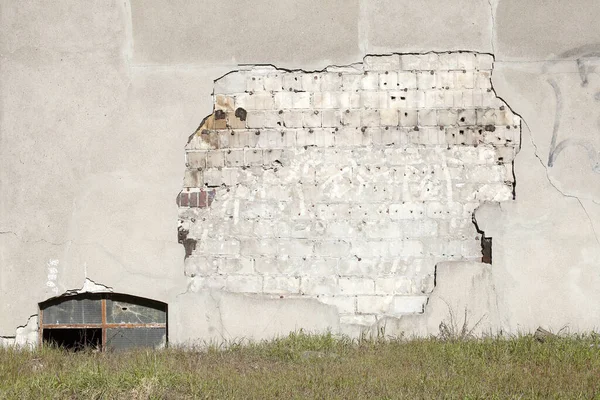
74	339
103	321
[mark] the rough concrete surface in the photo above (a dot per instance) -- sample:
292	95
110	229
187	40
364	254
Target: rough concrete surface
288	33
97	101
414	26
548	30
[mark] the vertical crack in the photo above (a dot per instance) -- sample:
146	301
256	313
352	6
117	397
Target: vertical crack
493	27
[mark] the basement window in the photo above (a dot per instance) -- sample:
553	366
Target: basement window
106	322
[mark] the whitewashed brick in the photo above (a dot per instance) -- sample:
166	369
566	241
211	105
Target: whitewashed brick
281	284
292	81
351	82
283	100
389	117
273	82
255	83
311	82
244	283
213	282
395	285
362	320
407	305
407	210
464	80
332	248
344	304
373	304
485	61
223	246
301	100
382	229
331	82
240	266
406	80
369	81
352	285
292	119
199	265
426	80
346	186
319	285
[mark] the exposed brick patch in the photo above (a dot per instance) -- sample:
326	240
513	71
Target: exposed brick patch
349	184
199	199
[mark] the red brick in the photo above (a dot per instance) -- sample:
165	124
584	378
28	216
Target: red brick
202	199
193	199
183	199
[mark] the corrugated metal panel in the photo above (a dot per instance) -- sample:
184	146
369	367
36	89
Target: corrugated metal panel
74	311
128	310
127	338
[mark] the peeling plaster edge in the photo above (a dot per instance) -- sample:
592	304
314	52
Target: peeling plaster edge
25	335
243	67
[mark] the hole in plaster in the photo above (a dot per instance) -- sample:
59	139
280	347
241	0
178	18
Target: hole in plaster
188	244
486	250
486	243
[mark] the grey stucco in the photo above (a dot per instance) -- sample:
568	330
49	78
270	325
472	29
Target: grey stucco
97	101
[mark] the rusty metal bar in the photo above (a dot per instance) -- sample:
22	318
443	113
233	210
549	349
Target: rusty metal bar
103	323
96	326
41	328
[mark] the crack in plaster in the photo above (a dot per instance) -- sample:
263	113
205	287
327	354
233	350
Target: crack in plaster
34	241
220	314
535	152
546	172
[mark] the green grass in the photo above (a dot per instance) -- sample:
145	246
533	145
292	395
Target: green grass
305	366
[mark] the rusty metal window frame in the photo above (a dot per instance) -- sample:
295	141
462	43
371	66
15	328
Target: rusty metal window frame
104	325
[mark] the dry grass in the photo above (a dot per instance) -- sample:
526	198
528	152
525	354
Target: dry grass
304	366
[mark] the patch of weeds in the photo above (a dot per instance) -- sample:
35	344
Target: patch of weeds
302	365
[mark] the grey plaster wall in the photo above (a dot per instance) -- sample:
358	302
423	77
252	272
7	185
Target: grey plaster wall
97	100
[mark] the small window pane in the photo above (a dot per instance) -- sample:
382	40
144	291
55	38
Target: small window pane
120	310
127	338
74	311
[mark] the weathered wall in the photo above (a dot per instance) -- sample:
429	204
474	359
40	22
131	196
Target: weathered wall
97	100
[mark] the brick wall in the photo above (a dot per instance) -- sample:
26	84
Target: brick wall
347	185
